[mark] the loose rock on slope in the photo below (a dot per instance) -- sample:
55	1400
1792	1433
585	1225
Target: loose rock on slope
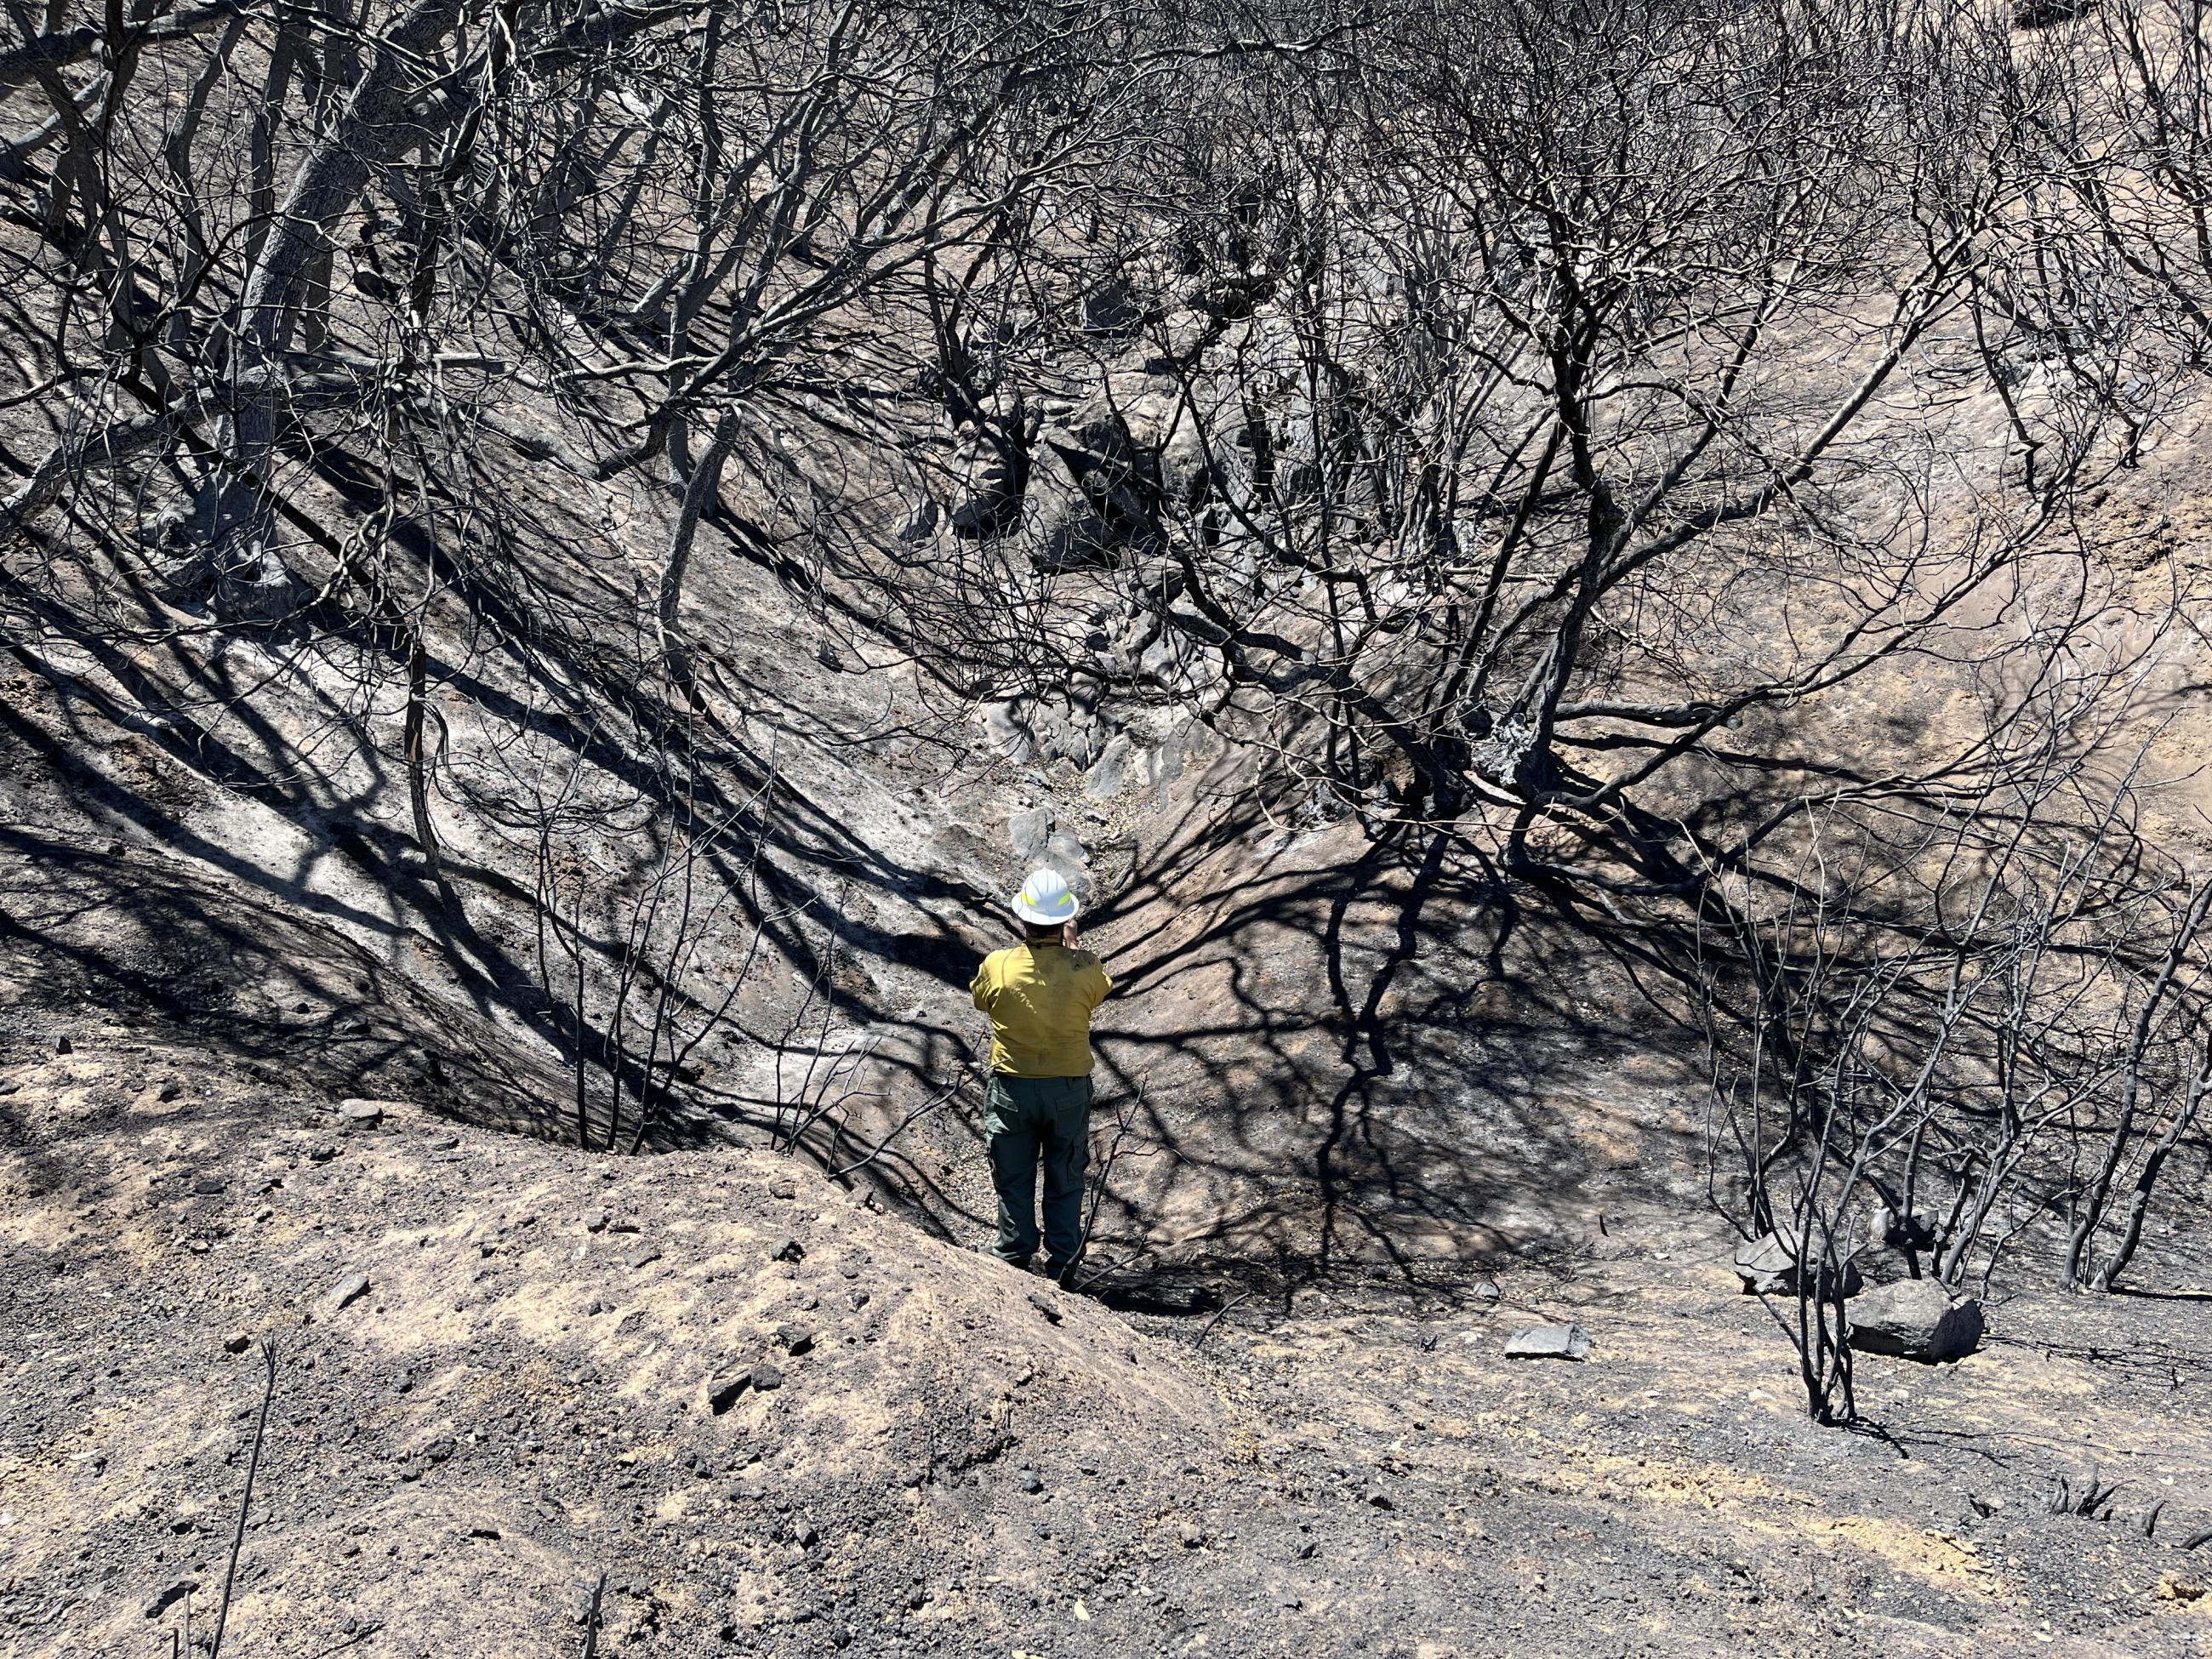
1916	1319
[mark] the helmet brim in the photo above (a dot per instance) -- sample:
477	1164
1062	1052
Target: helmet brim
1028	912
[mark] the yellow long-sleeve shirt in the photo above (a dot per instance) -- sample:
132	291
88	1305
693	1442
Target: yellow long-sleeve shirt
1039	999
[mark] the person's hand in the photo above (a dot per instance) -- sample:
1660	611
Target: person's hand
1067	935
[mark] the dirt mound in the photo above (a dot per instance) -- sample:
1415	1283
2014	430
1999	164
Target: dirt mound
780	1422
504	1369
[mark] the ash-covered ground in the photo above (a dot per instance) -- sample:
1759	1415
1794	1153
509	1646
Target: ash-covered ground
779	1420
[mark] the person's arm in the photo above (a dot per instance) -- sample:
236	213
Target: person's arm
979	988
1094	982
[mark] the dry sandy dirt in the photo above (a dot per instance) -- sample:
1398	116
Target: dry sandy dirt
499	1365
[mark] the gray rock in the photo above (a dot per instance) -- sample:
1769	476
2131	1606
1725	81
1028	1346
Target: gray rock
1071	536
207	1187
995	465
1900	1231
786	1249
1549	1342
1066	854
767	1378
796	1339
172	1593
643	1256
64	1046
255	589
1106	775
359	1114
342	1295
723	1392
920	524
1897	1247
1008	735
1029	832
1916	1319
1768	1267
1118	480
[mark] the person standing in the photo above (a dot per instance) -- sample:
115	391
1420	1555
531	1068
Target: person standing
1040	995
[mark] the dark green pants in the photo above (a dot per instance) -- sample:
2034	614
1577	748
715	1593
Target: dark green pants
1032	1122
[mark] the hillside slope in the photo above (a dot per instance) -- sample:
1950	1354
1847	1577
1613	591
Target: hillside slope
499	1365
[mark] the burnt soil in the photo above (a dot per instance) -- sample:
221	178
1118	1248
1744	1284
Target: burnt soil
954	1458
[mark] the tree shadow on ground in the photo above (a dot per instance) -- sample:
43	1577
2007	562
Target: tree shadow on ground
1361	1045
131	935
1356	1050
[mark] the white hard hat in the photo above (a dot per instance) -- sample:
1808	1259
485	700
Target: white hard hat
1045	899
